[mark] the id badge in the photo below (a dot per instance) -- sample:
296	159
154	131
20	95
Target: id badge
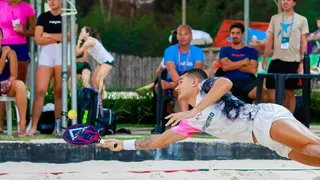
285	43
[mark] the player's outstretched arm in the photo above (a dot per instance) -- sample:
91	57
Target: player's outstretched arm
147	143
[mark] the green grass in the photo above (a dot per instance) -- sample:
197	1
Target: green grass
135	125
4	137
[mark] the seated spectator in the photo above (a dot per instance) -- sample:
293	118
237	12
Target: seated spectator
315	36
179	58
239	64
10	86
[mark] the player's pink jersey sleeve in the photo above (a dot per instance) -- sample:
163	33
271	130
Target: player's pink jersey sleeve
185	129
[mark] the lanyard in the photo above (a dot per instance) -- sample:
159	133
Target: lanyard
291	25
179	58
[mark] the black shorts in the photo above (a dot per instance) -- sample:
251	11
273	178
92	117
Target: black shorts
243	86
283	67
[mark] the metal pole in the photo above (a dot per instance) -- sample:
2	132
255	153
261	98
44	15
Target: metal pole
246	20
73	64
64	73
39	11
184	12
306	90
32	66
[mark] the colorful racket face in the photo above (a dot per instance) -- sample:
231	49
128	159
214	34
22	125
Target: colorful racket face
81	134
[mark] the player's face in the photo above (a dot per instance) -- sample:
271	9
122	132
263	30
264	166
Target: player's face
236	35
84	33
54	4
184	87
184	36
318	23
287	4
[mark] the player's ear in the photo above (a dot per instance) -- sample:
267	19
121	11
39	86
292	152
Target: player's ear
195	82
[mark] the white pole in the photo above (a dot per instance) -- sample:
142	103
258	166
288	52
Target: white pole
246	20
64	73
32	66
73	64
184	20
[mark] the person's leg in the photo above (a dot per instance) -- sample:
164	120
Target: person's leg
272	95
86	78
290	100
43	76
104	71
22	70
2	113
95	78
264	95
18	90
293	134
57	89
304	159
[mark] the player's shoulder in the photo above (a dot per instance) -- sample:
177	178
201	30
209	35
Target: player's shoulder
195	48
44	14
300	17
172	48
225	48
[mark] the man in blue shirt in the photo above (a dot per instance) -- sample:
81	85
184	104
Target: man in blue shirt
179	58
240	64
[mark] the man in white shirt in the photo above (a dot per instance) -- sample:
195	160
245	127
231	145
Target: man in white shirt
218	113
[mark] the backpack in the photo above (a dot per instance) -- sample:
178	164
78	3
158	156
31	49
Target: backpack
106	123
89	106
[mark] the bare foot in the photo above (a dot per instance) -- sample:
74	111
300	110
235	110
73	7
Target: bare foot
22	134
32	132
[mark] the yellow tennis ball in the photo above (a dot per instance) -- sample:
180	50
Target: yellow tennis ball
72	114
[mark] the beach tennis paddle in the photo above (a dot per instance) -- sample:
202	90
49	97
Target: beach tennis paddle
82	134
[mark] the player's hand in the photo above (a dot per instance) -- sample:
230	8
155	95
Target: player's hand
5	50
175	118
18	28
300	68
111	144
265	64
46	35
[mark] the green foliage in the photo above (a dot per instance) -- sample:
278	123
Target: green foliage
131	109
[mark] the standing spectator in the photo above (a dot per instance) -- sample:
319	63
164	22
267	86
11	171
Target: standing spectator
15	16
288	38
179	58
48	34
11	86
240	64
315	36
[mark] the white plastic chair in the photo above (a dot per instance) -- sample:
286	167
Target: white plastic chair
8	101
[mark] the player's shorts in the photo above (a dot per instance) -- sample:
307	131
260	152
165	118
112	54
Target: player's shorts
51	55
269	113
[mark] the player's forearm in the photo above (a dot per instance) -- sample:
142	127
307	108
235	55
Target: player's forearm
173	74
2	62
219	88
57	37
231	66
304	46
249	68
149	143
268	49
44	41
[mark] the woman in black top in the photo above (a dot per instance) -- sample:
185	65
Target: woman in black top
48	34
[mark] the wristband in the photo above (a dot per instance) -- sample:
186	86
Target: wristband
129	144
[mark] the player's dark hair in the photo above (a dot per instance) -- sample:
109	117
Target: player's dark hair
93	32
198	73
237	25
